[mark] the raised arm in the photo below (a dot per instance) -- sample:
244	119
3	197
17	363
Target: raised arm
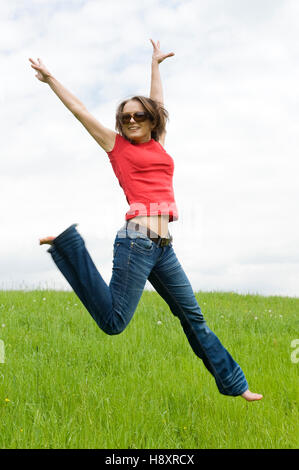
156	92
105	137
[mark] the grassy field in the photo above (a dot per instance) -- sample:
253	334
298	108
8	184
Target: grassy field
65	384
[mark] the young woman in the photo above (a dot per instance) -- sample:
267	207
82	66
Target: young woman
143	246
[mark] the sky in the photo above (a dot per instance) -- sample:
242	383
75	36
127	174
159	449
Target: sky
231	90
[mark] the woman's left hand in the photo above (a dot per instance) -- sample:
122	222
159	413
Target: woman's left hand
158	55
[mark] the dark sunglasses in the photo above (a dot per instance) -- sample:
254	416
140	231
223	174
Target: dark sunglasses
140	116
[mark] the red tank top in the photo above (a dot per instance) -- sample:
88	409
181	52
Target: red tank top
144	172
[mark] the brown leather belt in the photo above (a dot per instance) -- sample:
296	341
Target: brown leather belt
150	234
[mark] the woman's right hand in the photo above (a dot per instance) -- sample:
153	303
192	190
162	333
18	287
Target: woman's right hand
43	73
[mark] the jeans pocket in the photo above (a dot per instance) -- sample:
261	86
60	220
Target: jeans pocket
143	245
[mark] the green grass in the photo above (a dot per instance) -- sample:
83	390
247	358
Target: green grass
71	386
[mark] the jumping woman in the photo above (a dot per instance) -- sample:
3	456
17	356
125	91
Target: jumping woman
143	245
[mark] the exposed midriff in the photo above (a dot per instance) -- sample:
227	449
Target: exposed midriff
156	223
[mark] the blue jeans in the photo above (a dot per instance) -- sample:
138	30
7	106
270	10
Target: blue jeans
137	258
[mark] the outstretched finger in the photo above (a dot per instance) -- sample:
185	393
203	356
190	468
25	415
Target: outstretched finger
154	45
165	56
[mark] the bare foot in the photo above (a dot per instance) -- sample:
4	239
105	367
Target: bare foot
46	241
249	396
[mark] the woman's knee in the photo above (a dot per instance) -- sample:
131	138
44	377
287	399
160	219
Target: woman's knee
113	330
113	321
114	324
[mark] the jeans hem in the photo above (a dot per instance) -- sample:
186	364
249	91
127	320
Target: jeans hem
234	394
62	234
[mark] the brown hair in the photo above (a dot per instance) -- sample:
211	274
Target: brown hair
157	112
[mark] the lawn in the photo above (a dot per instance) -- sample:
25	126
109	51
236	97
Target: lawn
65	384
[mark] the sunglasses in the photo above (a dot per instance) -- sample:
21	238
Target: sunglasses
140	116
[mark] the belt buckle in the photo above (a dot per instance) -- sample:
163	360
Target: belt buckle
165	241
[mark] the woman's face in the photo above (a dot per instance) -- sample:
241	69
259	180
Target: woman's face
138	132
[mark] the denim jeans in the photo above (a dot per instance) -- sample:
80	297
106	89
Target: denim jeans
137	258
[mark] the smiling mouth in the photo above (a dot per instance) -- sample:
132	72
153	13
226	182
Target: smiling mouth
133	128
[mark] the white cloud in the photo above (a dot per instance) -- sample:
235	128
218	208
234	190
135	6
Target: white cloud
232	93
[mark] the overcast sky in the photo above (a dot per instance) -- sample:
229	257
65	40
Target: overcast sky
232	93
